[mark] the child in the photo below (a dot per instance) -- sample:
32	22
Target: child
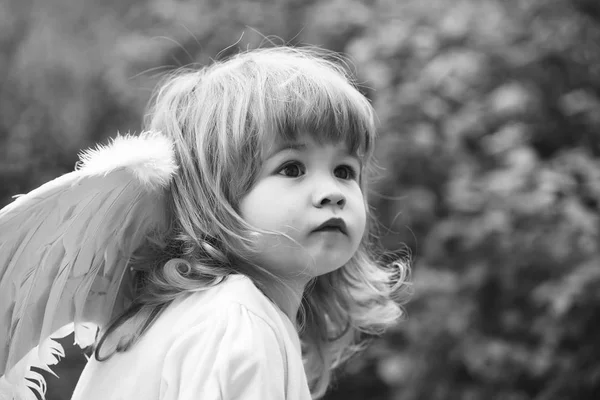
243	221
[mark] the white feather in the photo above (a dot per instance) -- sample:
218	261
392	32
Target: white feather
149	156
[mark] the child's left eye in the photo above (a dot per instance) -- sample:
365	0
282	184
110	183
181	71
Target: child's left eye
345	172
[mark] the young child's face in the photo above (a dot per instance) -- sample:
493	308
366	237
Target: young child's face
300	187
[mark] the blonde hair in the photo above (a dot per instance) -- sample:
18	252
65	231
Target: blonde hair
218	118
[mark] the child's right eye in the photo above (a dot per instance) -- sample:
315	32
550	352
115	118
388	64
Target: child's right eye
292	170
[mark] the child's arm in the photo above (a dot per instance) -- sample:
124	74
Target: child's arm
235	355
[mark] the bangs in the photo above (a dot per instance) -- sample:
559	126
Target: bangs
324	106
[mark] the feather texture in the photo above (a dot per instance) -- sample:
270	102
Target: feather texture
64	248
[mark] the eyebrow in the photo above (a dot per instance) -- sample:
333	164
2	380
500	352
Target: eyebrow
302	146
288	146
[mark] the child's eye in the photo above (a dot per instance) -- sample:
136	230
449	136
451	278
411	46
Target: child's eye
345	172
292	170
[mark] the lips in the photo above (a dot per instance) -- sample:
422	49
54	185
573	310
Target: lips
333	224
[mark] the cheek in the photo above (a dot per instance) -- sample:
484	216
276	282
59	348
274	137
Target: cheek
264	209
360	212
250	208
362	223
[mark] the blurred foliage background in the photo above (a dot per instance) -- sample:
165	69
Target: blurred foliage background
489	134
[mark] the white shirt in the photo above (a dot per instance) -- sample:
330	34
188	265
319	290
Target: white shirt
228	342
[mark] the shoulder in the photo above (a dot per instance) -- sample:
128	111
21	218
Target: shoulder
235	293
234	314
232	351
234	306
232	327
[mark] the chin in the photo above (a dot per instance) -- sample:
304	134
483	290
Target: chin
330	266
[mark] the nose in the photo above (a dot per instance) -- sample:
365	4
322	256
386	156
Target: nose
330	197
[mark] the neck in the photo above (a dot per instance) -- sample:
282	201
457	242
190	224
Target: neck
287	295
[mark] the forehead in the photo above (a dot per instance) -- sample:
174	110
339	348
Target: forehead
304	141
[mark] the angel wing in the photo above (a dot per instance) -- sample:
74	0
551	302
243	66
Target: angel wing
64	248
